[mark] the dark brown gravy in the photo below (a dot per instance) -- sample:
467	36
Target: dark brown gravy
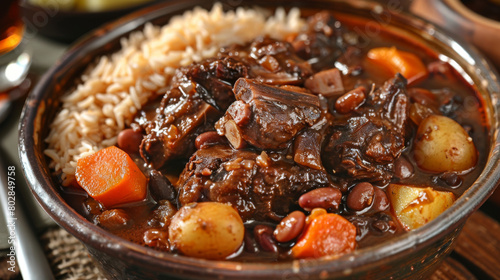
469	114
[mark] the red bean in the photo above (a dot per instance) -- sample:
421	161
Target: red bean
326	198
351	100
263	235
160	187
381	202
451	179
290	227
361	196
129	140
250	243
403	168
207	139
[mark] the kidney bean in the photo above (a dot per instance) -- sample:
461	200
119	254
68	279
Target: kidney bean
160	187
156	238
129	140
380	202
361	196
207	139
250	243
403	168
290	227
264	236
451	179
327	198
351	100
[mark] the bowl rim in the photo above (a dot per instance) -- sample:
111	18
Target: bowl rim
39	179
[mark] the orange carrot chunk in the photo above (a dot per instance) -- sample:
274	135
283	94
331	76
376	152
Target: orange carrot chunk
111	177
326	235
396	61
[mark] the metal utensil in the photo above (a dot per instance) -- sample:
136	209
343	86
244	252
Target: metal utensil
29	253
24	246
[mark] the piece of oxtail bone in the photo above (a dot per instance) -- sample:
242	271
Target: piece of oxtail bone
267	117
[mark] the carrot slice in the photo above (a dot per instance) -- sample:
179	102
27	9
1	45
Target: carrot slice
326	235
111	177
396	61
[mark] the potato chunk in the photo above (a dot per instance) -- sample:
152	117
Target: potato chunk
441	145
415	206
209	230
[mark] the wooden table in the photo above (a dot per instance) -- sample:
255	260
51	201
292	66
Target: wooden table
477	251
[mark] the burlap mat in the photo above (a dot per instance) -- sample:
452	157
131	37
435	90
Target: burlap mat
68	257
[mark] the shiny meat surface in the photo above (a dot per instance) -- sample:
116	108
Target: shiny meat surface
261	186
365	145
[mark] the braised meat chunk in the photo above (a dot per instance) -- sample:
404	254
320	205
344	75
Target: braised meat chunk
267	117
201	93
365	145
260	186
324	41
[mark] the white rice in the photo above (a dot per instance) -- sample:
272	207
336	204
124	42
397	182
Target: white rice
116	86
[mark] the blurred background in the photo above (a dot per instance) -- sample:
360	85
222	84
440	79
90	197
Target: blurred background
67	20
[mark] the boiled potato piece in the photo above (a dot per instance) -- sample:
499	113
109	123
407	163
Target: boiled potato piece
441	144
209	230
415	206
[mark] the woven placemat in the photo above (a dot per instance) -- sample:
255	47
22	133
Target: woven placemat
68	257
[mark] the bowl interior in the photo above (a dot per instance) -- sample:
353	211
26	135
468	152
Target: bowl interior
42	104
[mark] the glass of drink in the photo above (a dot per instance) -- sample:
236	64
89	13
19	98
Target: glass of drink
14	59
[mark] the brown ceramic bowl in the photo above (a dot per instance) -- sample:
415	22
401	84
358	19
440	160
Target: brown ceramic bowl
456	17
409	256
